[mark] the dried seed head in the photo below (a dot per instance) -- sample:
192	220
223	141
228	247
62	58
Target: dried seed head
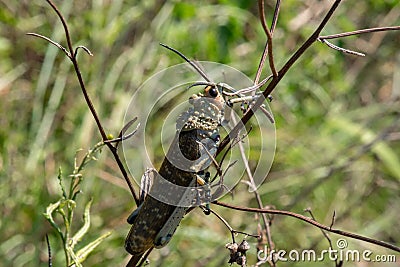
243	247
232	247
238	252
241	260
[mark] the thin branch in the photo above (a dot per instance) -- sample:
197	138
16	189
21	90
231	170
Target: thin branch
233	231
224	222
323	39
145	257
346	34
324	233
125	128
84	48
275	80
265	52
269	37
267	114
49	250
257	195
333	219
347	51
312	222
88	100
64	23
76	67
305	45
122	137
235	142
62	48
261	64
276	15
216	165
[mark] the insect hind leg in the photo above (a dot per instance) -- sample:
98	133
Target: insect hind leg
145	185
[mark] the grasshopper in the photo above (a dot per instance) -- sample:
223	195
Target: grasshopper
155	222
190	154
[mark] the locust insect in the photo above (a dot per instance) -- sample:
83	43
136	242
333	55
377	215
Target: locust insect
185	166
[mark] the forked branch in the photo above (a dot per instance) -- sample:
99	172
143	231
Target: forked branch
72	55
357	32
323	39
261	11
275	80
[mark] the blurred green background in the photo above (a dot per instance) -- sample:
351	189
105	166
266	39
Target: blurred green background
328	110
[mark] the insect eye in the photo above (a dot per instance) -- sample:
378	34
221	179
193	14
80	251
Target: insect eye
213	92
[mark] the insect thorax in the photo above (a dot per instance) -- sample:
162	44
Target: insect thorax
205	114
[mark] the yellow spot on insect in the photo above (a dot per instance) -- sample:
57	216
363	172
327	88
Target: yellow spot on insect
200	180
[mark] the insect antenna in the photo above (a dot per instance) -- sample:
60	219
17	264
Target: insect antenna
188	61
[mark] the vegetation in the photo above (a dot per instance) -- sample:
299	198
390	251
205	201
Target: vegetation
337	123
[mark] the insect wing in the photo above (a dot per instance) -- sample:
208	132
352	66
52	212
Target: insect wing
169	228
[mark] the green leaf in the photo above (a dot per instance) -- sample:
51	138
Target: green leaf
49	216
59	177
86	219
74	257
85	251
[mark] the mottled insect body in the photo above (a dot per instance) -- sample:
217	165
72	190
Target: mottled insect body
157	218
169	228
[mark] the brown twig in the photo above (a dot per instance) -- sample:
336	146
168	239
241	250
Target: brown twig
62	48
265	52
145	257
333	219
323	39
122	137
210	156
84	48
312	222
71	54
340	49
76	67
324	233
275	80
266	221
346	34
233	231
261	11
